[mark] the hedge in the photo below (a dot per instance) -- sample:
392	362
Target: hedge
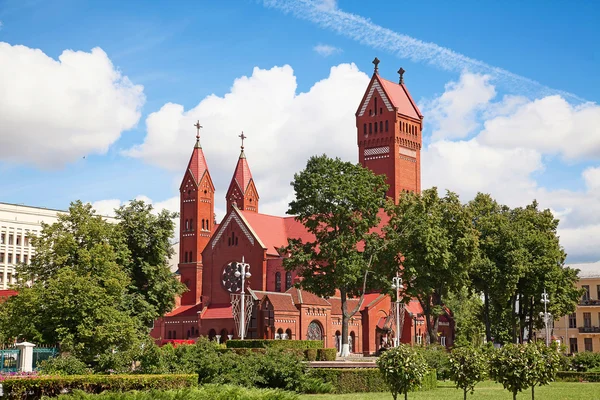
206	392
326	354
35	388
356	380
570	376
283	344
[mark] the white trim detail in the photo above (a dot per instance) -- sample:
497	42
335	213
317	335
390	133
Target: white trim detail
382	94
375	151
223	226
407	152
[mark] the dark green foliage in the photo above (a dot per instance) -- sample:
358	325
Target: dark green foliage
403	369
64	365
264	343
358	380
571	376
437	358
33	389
311	354
585	361
468	367
326	354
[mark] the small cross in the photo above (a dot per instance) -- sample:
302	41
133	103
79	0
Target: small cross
242	136
376	62
401	71
198	127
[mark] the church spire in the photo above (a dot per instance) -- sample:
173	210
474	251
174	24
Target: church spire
198	127
242	192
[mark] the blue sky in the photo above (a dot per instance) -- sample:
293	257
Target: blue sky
510	97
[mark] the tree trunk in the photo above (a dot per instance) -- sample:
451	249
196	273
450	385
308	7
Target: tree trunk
513	306
530	329
533	392
465	394
406	395
515	395
488	329
345	351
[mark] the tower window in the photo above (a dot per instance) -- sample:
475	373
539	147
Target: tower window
236	240
185	259
278	281
370	112
192	224
191	256
381	126
365	128
375	105
187	225
370	128
386	126
375	127
380	110
288	280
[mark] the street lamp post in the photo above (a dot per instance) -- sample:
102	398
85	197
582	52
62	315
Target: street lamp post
243	271
397	284
545	300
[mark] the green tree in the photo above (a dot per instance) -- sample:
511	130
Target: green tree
433	240
338	202
545	362
510	367
468	367
403	369
153	287
467	311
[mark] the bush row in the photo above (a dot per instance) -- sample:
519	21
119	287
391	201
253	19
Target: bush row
585	361
358	380
281	344
208	392
570	376
320	354
35	388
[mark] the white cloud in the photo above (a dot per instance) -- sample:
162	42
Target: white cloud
284	129
107	207
454	113
326	50
53	112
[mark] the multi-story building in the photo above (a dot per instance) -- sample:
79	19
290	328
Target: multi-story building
580	331
18	224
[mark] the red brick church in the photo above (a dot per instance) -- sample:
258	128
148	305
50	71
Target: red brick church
389	126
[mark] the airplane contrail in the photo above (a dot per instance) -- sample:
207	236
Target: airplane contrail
364	31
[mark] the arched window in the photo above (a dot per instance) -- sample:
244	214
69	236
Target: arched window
365	129
375	127
278	281
224	337
352	342
338	341
386	126
288	280
315	331
186	256
375	105
203	224
187	224
192	224
169	335
288	333
236	240
211	334
191	256
174	334
381	126
370	128
279	334
380	110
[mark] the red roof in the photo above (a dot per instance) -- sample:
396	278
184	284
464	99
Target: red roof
303	297
414	307
197	164
401	98
280	301
218	311
185	311
6	293
242	174
336	305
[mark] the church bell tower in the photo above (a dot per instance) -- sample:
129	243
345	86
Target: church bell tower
389	126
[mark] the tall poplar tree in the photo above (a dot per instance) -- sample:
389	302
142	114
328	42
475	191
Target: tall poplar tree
338	202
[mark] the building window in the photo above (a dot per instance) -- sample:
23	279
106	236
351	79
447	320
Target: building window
203	224
10	239
17	258
315	331
18	240
443	340
169	335
375	127
25	257
3	238
419	339
1	257
26	241
192	224
573	345
375	105
187	224
587	320
380	110
9	258
386	126
370	112
588	344
573	320
278	281
288	280
585	297
365	129
598	292
352	342
185	258
381	126
191	256
370	128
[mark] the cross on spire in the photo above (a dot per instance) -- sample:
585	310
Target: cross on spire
401	72
242	136
376	63
198	127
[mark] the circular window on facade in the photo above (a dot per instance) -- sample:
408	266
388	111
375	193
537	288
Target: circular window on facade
230	282
315	331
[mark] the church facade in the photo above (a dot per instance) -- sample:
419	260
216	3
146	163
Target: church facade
389	126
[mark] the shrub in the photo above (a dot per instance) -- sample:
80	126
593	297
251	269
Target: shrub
467	368
585	361
265	343
571	376
357	380
64	365
280	369
36	388
326	354
311	354
403	369
208	392
437	358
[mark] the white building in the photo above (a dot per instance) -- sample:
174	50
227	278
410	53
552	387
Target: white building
18	223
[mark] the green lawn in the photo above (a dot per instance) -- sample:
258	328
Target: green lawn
485	390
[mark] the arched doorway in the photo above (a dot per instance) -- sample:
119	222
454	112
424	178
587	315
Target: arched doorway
212	334
224	337
352	344
315	331
288	333
338	341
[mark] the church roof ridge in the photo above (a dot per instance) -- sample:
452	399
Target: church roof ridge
400	98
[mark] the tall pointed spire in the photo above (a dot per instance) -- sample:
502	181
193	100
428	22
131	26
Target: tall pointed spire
242	192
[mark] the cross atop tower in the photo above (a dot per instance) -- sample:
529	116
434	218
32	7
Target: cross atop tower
242	136
376	63
198	127
401	72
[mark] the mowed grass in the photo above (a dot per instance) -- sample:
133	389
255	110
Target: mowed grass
484	390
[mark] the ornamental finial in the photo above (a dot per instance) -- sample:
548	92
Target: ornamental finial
401	72
198	127
376	63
